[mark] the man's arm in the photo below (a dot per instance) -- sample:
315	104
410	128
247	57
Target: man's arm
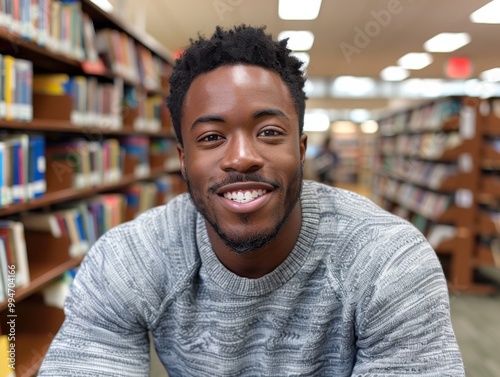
103	333
403	326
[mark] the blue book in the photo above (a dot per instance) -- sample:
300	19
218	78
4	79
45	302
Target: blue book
37	166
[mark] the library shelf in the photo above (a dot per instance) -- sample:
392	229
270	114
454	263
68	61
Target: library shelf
490	158
57	125
50	257
42	274
452	154
45	58
492	125
450	183
487	225
103	19
72	194
493	131
471	149
486	257
491	185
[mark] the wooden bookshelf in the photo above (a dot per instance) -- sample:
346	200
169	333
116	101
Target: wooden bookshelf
49	257
58	126
488	225
72	194
465	189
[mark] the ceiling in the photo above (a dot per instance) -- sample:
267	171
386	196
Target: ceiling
411	23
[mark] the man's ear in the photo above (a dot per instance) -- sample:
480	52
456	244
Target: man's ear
180	152
303	148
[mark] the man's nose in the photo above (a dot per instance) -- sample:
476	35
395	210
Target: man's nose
242	155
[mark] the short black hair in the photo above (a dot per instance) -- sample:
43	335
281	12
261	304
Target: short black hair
240	45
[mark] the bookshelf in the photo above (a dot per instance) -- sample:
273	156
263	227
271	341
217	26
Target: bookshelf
488	220
105	107
430	171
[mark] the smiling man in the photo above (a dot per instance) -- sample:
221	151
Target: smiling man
255	272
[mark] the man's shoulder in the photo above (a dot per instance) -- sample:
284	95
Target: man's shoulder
360	231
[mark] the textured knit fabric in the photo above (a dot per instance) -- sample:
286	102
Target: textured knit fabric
361	294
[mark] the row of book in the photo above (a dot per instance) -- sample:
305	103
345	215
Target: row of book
430	146
426	203
131	61
16	98
56	292
14	268
92	103
145	112
431	116
423	173
81	222
30	165
56	24
22	168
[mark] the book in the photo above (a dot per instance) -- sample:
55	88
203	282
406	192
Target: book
6	361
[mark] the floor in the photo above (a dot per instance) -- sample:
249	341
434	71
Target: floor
476	321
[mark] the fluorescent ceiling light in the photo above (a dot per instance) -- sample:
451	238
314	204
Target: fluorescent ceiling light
394	73
344	127
369	127
422	88
353	86
446	42
299	9
415	60
316	88
105	5
303	57
488	14
491	75
317	121
298	40
359	115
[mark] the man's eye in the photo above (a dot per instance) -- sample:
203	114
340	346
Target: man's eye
270	133
212	137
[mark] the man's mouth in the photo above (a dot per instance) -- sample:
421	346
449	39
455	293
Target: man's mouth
244	196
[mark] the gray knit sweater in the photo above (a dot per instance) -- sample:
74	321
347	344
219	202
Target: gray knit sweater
361	294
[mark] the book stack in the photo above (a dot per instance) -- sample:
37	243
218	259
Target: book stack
92	103
16	83
79	163
137	155
22	168
13	257
80	222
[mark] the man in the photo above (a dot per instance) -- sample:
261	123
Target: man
255	273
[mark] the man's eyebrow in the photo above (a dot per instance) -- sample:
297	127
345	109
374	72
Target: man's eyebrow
257	114
266	112
206	119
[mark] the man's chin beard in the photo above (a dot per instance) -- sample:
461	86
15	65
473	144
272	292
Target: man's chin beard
245	245
242	246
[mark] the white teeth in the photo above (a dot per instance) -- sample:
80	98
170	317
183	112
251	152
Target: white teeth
244	196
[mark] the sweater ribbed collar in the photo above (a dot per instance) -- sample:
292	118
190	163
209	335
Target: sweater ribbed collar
242	286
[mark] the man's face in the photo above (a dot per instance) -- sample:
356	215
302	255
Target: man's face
242	155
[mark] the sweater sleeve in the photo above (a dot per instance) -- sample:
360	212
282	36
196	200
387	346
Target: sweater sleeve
402	319
103	333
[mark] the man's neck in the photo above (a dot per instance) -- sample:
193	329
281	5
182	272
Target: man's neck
259	262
